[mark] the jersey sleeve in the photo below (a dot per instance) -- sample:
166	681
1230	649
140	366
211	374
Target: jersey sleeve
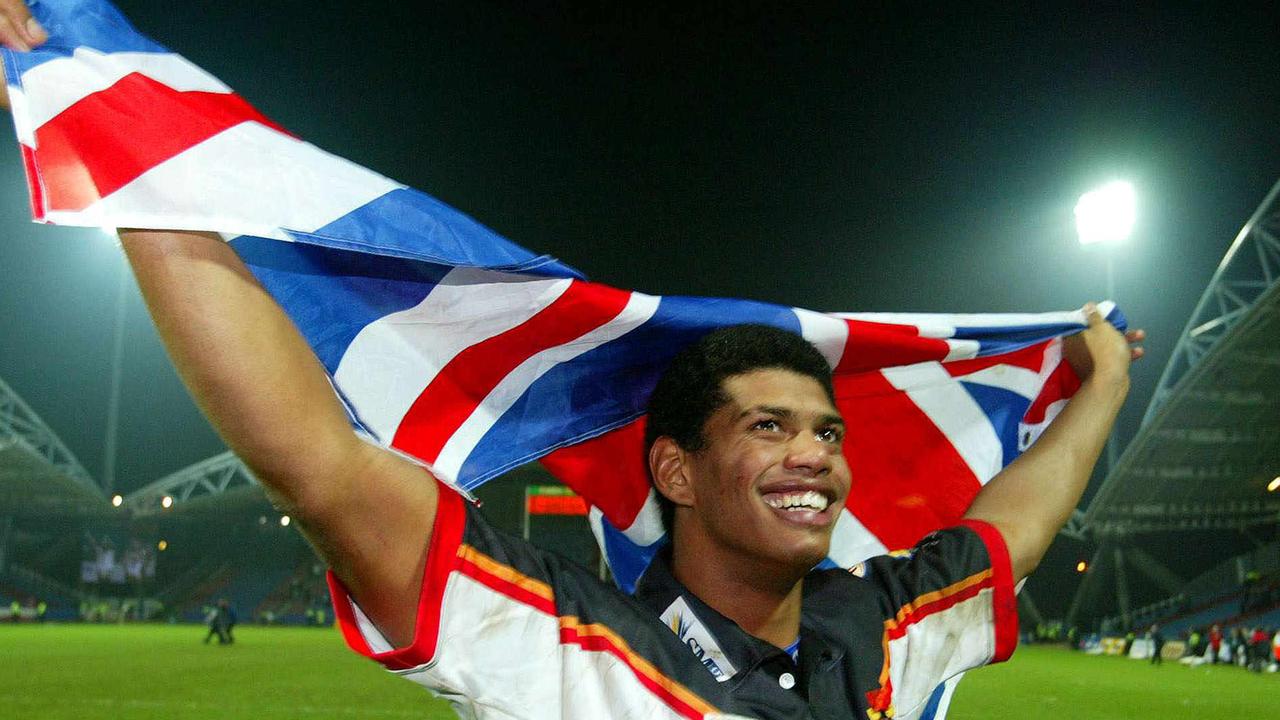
505	629
948	605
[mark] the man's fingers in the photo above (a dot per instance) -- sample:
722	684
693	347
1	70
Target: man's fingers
36	34
1091	314
10	36
1136	353
1136	335
18	30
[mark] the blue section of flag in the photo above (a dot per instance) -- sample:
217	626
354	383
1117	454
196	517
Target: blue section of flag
935	701
608	386
1004	410
65	21
409	224
994	340
627	560
331	295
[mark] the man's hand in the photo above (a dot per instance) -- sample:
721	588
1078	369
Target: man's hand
18	30
1101	350
1031	499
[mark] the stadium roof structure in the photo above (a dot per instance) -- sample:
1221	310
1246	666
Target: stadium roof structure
221	483
1209	443
38	474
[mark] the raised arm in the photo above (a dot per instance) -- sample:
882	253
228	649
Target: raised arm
366	510
1031	499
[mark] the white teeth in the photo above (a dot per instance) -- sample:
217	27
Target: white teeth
807	500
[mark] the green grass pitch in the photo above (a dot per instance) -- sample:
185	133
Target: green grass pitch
53	672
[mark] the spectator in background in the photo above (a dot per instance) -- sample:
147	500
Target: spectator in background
1275	649
1259	648
229	618
1215	643
1157	644
214	622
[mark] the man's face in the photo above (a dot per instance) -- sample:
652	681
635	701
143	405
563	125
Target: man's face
771	479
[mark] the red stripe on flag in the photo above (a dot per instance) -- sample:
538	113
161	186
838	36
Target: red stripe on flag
1028	358
35	186
110	137
472	374
617	455
1061	383
873	345
908	479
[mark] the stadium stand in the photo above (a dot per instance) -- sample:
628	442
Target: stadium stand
1200	482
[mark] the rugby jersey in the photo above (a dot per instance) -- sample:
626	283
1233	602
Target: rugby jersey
507	630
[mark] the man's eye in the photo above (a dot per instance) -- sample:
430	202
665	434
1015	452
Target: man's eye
767	425
830	435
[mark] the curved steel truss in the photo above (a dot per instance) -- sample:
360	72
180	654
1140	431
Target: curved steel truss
19	424
214	476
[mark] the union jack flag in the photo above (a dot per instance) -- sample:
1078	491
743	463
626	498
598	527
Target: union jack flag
474	355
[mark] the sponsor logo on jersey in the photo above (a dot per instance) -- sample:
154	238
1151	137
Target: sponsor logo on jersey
680	618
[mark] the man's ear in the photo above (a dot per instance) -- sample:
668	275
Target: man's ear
669	469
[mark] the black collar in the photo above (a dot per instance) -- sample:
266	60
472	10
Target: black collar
726	649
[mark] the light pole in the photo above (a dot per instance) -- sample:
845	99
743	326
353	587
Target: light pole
117	369
1105	216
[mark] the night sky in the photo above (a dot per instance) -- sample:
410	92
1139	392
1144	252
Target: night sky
831	157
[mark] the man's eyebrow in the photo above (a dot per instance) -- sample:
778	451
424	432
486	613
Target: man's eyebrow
831	420
775	410
788	414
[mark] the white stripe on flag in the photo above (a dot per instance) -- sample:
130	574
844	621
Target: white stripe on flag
58	84
246	180
393	359
961	349
1008	377
954	412
943	325
852	542
827	333
639	309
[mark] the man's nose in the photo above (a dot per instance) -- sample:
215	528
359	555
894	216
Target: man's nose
807	452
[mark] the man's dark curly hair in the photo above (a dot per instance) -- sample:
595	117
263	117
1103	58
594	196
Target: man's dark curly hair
692	388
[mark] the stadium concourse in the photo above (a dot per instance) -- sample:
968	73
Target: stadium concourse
1183	530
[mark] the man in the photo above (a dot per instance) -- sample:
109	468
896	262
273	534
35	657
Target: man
745	446
1157	645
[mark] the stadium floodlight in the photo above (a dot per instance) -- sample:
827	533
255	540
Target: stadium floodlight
284	521
162	545
1082	566
166	502
1274	485
1106	214
116	501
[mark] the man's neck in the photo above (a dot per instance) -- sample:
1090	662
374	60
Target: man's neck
763	601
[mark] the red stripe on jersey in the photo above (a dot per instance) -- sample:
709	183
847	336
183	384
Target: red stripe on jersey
506	580
908	479
873	345
1005	602
617	455
599	638
442	555
472	374
84	153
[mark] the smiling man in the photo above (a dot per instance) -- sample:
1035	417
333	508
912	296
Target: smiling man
744	444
